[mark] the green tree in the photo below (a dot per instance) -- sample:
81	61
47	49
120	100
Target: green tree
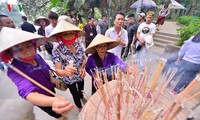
35	8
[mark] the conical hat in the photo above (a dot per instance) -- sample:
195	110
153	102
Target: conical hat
100	39
10	37
64	26
36	22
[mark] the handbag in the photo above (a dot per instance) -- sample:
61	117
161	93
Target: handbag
61	84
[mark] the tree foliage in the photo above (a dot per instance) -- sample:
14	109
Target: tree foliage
192	26
35	8
85	8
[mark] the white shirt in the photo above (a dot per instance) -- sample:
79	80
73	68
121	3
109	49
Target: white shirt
48	30
112	33
146	29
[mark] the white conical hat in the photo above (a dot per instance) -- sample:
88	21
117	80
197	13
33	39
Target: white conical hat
10	37
100	39
64	26
36	22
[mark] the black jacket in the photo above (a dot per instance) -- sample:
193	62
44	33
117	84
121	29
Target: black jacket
28	27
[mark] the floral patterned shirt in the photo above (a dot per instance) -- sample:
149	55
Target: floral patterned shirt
76	57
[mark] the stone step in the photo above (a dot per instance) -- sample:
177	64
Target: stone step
169	38
158	44
167	34
164	41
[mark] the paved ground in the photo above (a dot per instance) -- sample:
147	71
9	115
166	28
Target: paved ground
169	27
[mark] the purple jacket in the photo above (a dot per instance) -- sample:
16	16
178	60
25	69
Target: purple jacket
109	60
39	73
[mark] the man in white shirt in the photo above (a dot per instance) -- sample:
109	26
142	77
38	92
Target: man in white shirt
53	18
145	29
118	33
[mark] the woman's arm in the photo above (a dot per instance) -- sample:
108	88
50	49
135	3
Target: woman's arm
40	99
68	71
59	105
82	69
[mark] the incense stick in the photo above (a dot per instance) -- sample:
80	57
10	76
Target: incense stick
32	80
188	88
180	108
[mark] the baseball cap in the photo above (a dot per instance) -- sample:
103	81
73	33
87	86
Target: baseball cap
130	15
142	14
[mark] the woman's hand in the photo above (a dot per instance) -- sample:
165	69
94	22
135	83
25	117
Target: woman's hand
82	72
70	70
61	106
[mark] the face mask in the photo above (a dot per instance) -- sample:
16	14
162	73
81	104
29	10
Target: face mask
68	42
27	59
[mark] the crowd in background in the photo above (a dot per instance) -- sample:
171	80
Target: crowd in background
132	37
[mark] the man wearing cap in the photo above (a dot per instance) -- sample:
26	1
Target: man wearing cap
103	24
141	18
145	29
26	26
118	33
132	30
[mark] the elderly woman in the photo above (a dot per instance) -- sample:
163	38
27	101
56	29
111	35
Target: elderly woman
24	57
42	22
70	54
100	58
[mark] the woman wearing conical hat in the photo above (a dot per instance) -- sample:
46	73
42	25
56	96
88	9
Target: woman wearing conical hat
20	48
69	53
102	59
42	22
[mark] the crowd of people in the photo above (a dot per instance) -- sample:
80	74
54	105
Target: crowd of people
105	47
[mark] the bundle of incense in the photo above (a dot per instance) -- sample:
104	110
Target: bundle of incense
108	88
159	69
147	69
119	91
188	99
163	87
147	115
98	110
144	108
101	91
190	87
168	111
182	95
177	111
157	116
